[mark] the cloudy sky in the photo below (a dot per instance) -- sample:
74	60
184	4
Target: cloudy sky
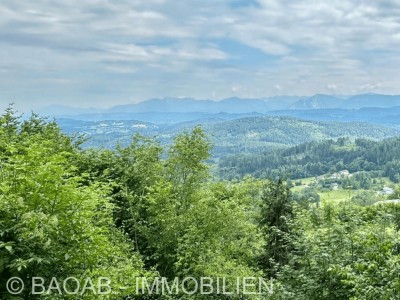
102	53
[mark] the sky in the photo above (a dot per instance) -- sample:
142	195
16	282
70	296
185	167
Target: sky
102	53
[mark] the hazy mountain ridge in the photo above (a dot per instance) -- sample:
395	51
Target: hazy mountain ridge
383	116
372	100
318	101
204	108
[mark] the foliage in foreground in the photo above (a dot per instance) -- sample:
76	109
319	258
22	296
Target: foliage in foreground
51	224
129	212
343	251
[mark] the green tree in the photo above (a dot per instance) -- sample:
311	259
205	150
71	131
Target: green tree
185	167
51	225
276	215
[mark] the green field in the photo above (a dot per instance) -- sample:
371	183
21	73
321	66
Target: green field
305	182
338	195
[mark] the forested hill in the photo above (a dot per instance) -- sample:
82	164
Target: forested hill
317	158
255	134
245	135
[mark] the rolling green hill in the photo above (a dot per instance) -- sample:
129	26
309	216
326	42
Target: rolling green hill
318	158
246	135
262	134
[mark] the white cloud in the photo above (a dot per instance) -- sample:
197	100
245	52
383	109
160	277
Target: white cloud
163	47
368	87
236	89
136	53
332	87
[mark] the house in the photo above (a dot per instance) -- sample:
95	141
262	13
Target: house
341	174
139	126
335	186
394	201
386	191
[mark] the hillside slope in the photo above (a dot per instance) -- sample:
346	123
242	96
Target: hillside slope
258	134
245	135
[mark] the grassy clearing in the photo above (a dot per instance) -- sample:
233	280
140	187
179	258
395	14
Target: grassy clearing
305	182
338	195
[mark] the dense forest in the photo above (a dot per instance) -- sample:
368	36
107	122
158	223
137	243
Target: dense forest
319	157
148	210
248	135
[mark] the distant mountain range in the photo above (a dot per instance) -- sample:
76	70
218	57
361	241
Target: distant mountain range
227	106
356	102
237	125
181	105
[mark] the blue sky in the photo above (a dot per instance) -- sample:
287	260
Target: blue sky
103	53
